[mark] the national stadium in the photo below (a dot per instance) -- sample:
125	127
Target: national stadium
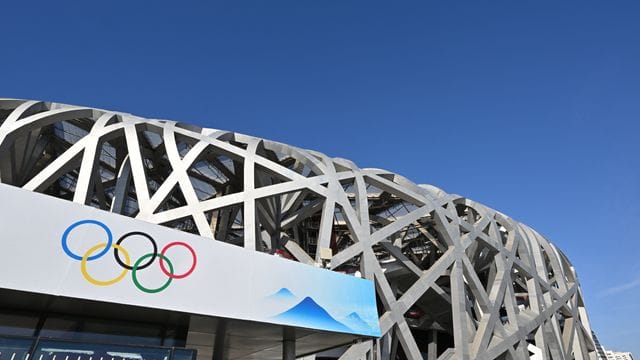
134	238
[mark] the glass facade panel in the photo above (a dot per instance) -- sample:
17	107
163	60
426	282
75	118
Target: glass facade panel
109	331
69	350
61	337
90	329
184	354
14	348
18	348
18	324
60	328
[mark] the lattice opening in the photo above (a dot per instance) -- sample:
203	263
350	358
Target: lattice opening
227	224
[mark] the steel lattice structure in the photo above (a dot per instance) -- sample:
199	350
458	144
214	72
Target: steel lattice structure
454	279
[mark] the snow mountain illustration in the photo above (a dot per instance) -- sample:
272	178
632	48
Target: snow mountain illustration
283	293
308	313
355	322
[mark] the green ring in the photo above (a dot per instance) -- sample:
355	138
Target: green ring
135	278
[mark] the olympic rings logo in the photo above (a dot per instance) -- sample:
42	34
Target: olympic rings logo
124	260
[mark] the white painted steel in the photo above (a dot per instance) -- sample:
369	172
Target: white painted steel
445	267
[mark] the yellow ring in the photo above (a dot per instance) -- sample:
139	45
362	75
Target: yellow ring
85	273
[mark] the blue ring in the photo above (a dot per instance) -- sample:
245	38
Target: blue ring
66	233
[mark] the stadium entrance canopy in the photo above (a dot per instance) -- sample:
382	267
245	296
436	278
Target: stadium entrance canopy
73	259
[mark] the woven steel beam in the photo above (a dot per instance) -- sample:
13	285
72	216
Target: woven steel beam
454	278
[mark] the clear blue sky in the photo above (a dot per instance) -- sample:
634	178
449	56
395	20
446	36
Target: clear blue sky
531	107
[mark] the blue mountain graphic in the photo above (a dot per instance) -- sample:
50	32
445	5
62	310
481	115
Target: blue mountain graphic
307	313
283	293
355	322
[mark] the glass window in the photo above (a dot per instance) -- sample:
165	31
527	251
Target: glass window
18	324
174	336
91	330
61	328
53	349
184	354
122	333
14	348
102	331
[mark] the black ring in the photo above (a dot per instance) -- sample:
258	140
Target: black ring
149	262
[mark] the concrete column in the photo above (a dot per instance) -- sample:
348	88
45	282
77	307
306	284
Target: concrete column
219	348
288	344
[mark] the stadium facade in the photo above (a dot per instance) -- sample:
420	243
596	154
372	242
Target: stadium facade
136	238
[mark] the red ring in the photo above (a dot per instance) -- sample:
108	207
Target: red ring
181	276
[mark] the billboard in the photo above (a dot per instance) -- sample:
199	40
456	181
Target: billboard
56	247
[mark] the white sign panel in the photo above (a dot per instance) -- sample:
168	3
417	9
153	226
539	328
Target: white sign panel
56	247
